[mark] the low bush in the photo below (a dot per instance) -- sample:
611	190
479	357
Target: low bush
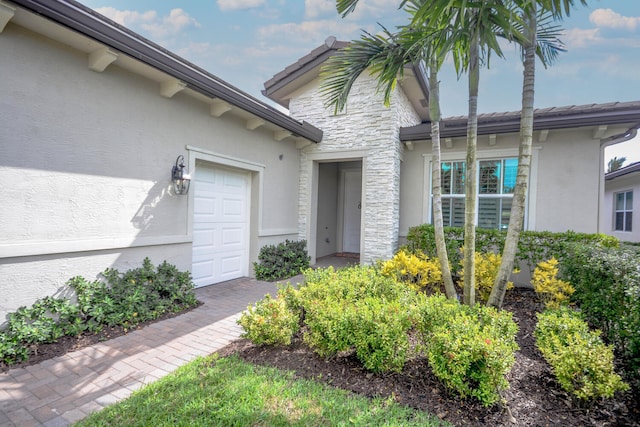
581	362
358	309
551	290
415	269
607	282
281	261
270	322
119	299
472	351
486	270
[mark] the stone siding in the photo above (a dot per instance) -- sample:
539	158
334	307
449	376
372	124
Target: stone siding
367	126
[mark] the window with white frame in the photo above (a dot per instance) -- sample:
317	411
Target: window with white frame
623	211
496	182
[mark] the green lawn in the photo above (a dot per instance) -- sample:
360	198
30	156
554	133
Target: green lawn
216	391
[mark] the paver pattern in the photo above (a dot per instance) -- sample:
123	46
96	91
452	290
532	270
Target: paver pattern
64	390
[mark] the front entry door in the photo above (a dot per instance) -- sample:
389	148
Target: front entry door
352	211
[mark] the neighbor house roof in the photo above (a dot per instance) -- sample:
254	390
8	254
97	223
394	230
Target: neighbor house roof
280	87
89	23
633	167
614	113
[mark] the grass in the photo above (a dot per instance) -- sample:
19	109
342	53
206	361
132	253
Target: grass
215	391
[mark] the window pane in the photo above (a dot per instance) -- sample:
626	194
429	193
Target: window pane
619	202
619	221
510	173
457	218
506	213
489	179
629	204
446	212
488	213
627	221
458	177
446	177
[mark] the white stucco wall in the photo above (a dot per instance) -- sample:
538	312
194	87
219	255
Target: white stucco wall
564	182
630	182
88	157
367	130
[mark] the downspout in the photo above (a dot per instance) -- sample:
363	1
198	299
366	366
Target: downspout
604	143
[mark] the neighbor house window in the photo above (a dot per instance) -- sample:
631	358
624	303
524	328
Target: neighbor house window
624	210
496	182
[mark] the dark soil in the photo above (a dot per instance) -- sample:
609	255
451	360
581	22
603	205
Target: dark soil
534	398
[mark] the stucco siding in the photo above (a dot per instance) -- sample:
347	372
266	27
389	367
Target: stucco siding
89	156
564	181
568	184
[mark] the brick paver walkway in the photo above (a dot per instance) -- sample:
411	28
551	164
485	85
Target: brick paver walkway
61	391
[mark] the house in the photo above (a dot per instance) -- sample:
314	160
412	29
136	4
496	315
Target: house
619	187
95	119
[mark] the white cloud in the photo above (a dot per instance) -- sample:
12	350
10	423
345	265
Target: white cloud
127	18
577	38
239	4
306	31
157	27
610	19
172	24
315	8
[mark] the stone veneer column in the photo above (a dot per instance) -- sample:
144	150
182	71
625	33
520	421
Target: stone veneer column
366	126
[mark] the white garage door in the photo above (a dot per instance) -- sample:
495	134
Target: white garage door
220	225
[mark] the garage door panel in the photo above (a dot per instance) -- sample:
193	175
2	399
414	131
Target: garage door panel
220	225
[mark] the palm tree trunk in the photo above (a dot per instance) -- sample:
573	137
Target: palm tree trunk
441	247
470	174
524	163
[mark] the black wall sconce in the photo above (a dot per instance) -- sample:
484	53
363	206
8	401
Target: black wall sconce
180	179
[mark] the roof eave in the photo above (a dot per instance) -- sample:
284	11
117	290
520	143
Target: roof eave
87	22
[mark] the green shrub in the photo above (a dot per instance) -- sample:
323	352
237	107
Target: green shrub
415	269
357	309
533	247
269	322
607	283
281	261
581	362
120	299
472	350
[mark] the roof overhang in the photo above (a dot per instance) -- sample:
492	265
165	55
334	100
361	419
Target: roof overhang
281	87
632	168
83	21
617	113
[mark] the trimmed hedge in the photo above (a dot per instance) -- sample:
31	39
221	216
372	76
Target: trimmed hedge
533	248
281	261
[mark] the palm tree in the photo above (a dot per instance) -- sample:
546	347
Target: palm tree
615	163
479	24
538	37
386	56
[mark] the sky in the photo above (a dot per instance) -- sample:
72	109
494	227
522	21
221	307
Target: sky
246	42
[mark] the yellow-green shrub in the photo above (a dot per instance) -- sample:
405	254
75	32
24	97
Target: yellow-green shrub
551	290
269	321
581	362
415	269
487	266
471	349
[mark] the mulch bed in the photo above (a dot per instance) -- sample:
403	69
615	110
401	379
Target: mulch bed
534	398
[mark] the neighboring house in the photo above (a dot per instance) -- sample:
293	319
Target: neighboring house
621	199
94	117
